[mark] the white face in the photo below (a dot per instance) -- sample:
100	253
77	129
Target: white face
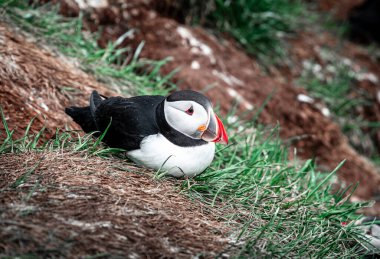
188	117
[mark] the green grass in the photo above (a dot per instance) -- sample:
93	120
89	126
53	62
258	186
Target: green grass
63	139
276	208
119	68
272	206
258	25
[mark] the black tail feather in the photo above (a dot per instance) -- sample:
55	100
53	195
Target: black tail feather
82	116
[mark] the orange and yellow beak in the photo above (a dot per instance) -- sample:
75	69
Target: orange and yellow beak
215	131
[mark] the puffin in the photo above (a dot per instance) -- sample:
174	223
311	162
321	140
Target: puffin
175	134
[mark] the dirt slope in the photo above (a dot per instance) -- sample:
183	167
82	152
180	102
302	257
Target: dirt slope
221	69
35	82
71	205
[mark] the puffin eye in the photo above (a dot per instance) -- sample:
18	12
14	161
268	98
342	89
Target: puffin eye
190	111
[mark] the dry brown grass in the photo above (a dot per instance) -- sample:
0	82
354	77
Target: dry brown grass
36	82
74	205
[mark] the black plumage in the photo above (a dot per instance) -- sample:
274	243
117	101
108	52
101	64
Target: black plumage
82	116
130	120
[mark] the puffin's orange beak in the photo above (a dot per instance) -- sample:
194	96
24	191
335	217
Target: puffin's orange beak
215	132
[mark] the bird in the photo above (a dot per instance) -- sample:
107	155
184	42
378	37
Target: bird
175	134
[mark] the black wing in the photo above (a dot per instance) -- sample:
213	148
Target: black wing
132	119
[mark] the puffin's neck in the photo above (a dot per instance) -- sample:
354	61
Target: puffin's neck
171	134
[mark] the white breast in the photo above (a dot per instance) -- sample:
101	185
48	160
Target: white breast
157	152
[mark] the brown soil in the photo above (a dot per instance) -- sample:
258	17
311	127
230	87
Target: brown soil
339	8
35	82
222	69
71	205
309	46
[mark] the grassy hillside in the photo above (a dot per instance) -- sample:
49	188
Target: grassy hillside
270	206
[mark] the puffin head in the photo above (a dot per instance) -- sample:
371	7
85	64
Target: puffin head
191	114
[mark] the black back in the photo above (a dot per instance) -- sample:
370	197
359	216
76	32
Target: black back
132	119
